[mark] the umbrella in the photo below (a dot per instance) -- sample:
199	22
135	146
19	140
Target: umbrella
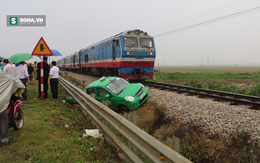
20	57
55	52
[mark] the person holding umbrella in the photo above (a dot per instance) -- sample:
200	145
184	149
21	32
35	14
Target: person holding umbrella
20	57
22	73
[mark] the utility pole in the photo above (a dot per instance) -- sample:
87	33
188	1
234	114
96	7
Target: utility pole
208	61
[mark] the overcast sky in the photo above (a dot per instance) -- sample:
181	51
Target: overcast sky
72	25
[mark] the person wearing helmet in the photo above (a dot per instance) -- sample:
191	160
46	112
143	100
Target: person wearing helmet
30	70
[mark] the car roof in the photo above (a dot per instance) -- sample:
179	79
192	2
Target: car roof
102	82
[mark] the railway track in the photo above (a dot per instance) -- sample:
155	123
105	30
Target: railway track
252	102
235	99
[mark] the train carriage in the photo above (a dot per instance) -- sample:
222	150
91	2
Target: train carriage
130	55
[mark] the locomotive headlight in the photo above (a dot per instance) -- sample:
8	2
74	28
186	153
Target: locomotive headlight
137	31
129	98
129	53
150	53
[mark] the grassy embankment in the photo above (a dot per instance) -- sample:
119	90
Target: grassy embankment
247	83
196	145
44	137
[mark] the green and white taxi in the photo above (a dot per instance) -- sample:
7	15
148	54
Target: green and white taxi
121	95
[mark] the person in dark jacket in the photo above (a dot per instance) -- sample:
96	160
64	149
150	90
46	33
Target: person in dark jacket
30	70
46	71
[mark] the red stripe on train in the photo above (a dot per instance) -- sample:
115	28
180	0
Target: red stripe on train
136	76
114	64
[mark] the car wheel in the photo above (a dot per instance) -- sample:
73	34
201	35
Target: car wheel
124	109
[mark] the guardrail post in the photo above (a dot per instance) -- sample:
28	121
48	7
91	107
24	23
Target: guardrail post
173	143
106	123
131	116
134	117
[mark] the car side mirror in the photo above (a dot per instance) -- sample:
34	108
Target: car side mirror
108	96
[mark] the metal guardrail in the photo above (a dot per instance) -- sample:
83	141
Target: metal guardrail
151	147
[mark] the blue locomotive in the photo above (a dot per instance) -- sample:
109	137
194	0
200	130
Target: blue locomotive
130	55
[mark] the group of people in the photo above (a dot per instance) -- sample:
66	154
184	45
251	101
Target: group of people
50	77
24	73
20	72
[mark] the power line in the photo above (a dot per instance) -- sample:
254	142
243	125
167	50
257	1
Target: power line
199	15
212	20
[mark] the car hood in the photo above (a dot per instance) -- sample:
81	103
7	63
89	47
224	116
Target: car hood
131	90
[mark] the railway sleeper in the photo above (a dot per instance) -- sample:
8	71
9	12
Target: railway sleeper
255	107
202	96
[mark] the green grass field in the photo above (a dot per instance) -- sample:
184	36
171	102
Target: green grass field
215	69
44	137
241	80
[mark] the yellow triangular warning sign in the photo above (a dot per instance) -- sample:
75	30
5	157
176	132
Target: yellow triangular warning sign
42	48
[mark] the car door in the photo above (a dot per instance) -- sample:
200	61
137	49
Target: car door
91	91
98	93
101	93
100	96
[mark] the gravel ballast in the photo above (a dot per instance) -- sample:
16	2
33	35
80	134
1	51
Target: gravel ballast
212	116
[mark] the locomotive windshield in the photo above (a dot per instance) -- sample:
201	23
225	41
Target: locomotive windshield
146	43
130	41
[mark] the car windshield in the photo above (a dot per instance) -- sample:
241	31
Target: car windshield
117	85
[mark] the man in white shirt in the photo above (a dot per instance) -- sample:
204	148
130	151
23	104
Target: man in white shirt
9	69
22	73
53	79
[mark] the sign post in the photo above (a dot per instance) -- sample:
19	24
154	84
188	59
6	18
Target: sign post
42	49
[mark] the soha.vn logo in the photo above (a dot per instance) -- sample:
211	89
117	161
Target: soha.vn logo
13	20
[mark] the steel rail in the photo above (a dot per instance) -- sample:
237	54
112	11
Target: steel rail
151	147
225	96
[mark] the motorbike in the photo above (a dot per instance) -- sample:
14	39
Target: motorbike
11	89
15	113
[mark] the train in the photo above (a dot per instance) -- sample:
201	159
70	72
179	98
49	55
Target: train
130	54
